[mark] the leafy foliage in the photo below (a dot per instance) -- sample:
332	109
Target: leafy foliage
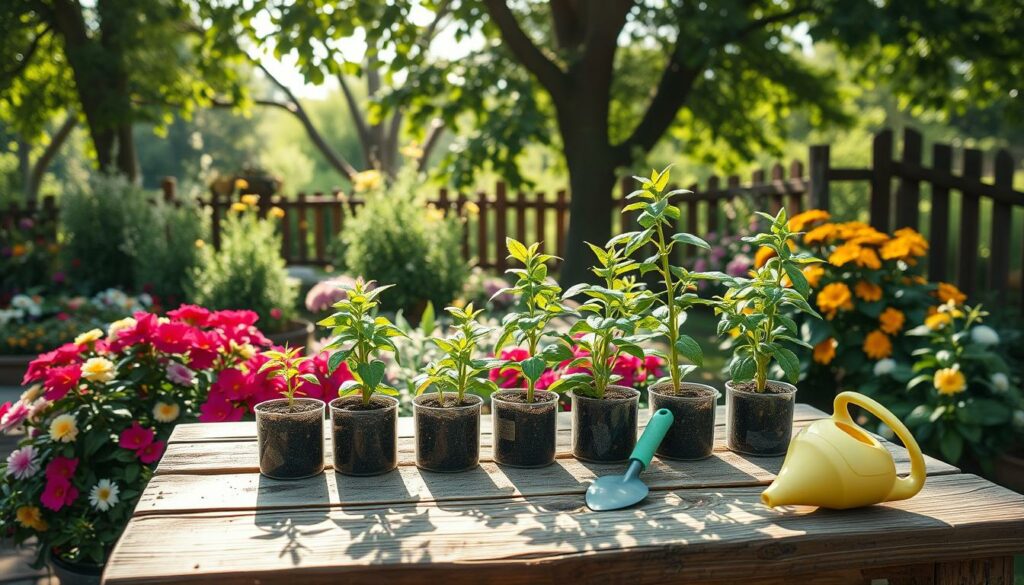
656	214
754	308
458	371
360	336
286	364
539	303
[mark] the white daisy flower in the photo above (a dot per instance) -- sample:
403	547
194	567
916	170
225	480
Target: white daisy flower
103	495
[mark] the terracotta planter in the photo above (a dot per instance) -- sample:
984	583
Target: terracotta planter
365	437
1009	471
299	333
692	434
759	423
12	368
604	429
75	573
447	437
290	439
524	432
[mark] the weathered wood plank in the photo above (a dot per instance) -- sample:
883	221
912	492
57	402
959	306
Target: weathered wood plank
992	571
246	431
680	535
247	490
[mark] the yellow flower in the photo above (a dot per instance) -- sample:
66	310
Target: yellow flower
366	180
820	234
276	212
120	325
200	243
763	255
868	236
915	241
64	428
31	517
798	222
868	291
472	209
98	369
938	320
251	200
891	320
238	206
813	274
433	213
18	250
241	184
868	259
844	254
29	396
166	412
949	292
834	297
877	345
825	351
950	381
89	336
412	150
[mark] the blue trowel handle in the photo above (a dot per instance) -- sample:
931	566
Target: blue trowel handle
651	439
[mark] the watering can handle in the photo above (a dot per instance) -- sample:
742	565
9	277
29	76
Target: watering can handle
905	487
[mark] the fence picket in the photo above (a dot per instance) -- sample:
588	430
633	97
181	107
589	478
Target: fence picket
778	176
938	252
794	205
482	242
712	203
908	197
301	227
520	205
1002	218
500	225
881	180
969	219
540	210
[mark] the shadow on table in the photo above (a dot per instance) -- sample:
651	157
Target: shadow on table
290	525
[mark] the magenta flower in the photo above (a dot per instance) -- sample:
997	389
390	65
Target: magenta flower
23	464
58	494
61	380
151	453
61	469
136	437
14	416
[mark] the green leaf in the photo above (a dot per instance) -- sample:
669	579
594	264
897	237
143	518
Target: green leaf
789	363
690	349
533	368
516	249
427	319
372	374
335	361
692	240
742	369
952	446
797	277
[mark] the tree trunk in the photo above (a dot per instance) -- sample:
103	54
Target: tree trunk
591	184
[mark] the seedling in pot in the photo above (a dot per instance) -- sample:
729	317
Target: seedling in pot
289	430
448	419
604	414
364	418
691	435
525	420
753	310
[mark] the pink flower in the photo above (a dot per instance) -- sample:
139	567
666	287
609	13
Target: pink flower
232	319
14	415
507	377
61	469
628	367
152	452
275	313
233	384
180	374
327	292
136	437
172	337
22	463
145	327
546	379
653	366
204	348
193	314
58	494
61	380
68	353
219	409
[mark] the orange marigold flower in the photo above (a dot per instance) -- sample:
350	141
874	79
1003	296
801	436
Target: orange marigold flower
918	245
844	254
868	259
825	351
763	255
834	297
891	320
949	381
896	249
877	345
949	292
798	222
820	234
813	274
868	291
868	236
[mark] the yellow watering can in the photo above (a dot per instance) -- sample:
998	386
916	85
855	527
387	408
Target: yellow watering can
834	463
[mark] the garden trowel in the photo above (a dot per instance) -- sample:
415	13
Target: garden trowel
612	492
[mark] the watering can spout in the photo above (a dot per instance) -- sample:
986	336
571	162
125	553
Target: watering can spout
805	478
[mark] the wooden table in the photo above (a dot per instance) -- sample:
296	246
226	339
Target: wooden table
208	516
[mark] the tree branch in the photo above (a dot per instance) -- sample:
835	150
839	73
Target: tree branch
430	142
566	19
42	163
362	130
19	67
545	70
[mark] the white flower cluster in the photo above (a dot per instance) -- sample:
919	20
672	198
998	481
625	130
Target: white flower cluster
116	299
21	308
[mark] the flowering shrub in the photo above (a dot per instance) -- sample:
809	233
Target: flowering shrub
28	257
486	290
963	403
98	412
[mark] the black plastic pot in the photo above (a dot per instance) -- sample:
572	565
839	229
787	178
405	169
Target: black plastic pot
290	439
69	573
524	432
447	437
604	429
365	436
692	434
759	423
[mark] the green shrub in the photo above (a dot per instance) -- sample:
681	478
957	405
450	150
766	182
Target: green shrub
117	234
396	238
247	272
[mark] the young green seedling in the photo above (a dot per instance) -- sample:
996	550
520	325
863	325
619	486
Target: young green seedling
285	365
458	371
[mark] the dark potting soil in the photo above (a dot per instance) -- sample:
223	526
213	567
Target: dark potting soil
692	434
447	438
760	423
365	436
770	387
290	440
604	429
524	433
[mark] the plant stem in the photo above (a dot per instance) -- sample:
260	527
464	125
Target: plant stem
673	328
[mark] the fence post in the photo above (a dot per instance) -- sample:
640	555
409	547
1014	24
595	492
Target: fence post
1002	217
942	162
796	172
712	203
818	159
169	186
482	241
881	180
908	197
301	227
500	225
969	217
778	181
